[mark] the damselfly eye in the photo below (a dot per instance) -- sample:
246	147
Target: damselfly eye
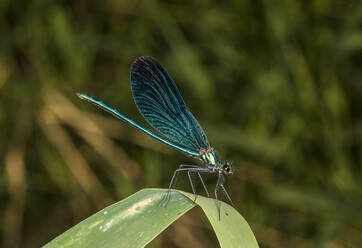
227	168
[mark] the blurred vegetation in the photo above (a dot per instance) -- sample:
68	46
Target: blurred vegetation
277	85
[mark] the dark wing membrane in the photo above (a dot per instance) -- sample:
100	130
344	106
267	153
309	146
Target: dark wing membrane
161	104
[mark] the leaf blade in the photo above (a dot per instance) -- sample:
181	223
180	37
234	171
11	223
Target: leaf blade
138	219
231	230
132	222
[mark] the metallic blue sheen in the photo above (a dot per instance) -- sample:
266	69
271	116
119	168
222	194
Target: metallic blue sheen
161	104
120	116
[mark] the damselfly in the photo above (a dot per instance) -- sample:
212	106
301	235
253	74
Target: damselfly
159	101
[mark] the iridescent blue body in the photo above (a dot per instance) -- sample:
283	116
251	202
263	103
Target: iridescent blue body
159	101
117	114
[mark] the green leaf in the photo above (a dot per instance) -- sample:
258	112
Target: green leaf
138	219
231	229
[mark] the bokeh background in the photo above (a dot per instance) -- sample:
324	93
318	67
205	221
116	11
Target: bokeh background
277	85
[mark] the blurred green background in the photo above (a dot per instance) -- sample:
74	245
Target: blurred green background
277	85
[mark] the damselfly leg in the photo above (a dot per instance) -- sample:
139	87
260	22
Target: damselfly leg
189	169
220	184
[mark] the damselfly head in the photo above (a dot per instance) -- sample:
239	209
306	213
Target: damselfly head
227	168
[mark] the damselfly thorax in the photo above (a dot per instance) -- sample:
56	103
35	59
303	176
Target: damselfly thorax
209	157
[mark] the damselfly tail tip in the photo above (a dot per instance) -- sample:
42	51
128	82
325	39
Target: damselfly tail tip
81	96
